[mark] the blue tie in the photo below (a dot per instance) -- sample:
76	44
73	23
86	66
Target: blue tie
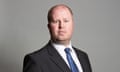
70	61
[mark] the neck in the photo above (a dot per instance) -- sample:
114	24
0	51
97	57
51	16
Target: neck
65	43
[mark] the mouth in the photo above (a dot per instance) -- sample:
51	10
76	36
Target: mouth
61	32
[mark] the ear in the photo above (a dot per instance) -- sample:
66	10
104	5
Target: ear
48	25
49	29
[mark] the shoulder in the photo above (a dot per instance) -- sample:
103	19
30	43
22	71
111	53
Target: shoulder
41	53
33	60
80	52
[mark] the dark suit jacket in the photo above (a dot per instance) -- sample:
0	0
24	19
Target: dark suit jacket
48	59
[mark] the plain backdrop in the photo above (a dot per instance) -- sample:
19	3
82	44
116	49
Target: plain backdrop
23	29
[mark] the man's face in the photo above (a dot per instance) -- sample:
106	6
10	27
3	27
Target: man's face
61	26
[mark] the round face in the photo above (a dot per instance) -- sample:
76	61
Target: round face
61	26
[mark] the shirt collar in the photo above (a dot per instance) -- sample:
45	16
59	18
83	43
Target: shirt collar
60	46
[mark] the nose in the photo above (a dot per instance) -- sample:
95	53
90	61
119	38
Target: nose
61	24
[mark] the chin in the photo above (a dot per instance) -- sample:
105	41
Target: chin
62	39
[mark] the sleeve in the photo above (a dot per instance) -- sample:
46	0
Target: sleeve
29	65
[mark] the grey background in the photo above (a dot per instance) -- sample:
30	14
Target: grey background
23	29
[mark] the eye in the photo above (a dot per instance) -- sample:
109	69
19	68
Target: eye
55	21
66	20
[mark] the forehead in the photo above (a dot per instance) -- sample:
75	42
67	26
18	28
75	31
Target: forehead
61	10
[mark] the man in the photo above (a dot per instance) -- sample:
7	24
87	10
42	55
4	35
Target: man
58	55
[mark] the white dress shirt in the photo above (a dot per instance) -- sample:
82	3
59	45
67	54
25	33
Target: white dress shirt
60	48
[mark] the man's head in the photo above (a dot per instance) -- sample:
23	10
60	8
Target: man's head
60	24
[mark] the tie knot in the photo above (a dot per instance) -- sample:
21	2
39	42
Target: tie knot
67	50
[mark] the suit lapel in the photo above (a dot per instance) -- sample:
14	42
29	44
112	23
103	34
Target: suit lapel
57	59
81	59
